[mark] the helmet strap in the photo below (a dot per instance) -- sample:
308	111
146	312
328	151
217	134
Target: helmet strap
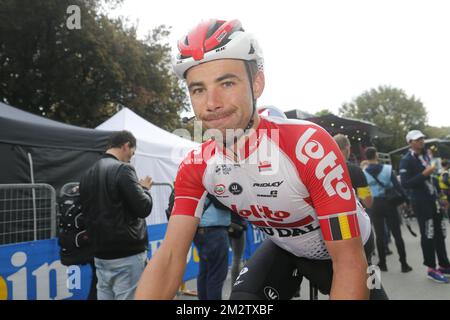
250	80
250	120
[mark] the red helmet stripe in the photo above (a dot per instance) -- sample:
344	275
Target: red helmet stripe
221	33
196	40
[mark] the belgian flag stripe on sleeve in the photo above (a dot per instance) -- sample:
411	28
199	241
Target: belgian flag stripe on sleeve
326	229
335	229
345	227
340	227
354	225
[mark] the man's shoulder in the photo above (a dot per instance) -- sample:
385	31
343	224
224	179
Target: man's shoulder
357	175
200	154
293	133
407	156
287	125
113	164
354	169
194	164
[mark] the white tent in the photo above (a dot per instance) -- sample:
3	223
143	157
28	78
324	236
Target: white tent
158	155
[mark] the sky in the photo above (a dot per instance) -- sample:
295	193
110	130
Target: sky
320	54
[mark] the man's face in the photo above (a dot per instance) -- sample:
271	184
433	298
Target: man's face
220	93
417	144
128	152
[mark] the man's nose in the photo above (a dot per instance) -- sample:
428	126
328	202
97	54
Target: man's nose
214	100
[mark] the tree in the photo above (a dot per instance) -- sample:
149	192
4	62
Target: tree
391	110
323	112
81	75
437	132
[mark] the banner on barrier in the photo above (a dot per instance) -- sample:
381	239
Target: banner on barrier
33	270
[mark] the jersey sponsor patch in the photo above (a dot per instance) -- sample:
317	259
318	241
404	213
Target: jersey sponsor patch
341	227
264	166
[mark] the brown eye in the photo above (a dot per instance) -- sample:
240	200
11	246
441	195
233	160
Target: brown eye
227	84
197	90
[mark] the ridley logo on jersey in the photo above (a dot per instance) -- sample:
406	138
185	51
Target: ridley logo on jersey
268	184
308	149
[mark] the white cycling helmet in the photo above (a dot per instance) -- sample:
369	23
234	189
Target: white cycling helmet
213	40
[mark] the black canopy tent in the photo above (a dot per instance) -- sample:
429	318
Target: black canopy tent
59	152
356	130
360	133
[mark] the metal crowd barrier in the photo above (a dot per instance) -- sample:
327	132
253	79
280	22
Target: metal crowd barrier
27	212
160	194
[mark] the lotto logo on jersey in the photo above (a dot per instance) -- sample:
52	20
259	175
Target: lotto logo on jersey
261	212
308	149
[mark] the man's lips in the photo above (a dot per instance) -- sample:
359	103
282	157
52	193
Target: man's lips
217	116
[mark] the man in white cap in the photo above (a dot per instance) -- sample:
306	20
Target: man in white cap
415	173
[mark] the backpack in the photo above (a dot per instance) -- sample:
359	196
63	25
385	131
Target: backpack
75	244
392	195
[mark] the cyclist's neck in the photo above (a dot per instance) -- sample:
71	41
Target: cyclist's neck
234	146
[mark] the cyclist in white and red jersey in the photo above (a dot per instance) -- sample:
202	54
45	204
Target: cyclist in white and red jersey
286	177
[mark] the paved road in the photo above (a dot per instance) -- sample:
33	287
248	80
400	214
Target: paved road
399	286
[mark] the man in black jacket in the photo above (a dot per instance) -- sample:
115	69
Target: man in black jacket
116	204
416	176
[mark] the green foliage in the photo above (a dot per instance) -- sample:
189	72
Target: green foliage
435	132
80	76
391	110
323	112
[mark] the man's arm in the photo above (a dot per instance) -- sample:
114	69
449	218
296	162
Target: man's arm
349	269
323	170
164	273
398	187
137	199
410	180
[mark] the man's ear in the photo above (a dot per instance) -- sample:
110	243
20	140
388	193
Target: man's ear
258	84
125	145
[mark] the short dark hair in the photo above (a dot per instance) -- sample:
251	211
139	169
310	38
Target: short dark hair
252	68
371	153
119	138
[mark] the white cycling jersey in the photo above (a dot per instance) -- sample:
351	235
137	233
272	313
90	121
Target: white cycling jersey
289	179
